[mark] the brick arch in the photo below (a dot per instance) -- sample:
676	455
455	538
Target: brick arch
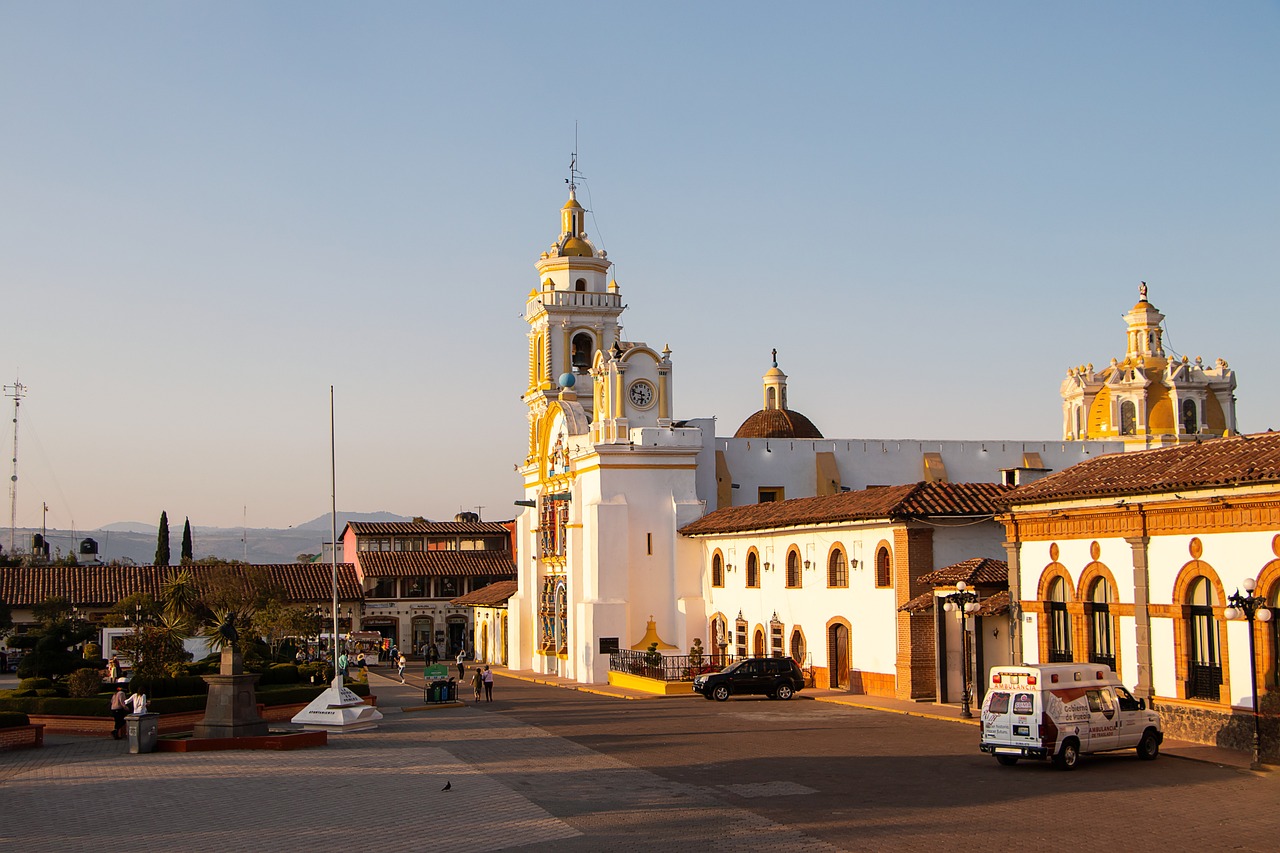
793	552
838	546
1052	571
753	551
804	641
1075	615
1265	637
1091	573
1083	622
1187	575
887	575
832	678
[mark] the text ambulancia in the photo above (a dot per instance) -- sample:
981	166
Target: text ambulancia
1061	711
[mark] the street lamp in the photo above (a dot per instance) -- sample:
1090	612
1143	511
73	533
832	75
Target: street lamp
963	603
1250	608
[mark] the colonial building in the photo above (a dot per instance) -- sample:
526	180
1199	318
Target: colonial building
410	572
489	608
1149	398
94	589
828	580
611	475
1129	560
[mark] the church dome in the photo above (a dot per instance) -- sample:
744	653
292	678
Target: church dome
777	423
576	247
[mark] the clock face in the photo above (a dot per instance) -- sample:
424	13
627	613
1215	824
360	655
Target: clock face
641	394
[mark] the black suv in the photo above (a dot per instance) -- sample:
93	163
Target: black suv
777	678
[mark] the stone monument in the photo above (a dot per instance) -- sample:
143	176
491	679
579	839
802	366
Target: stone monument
232	707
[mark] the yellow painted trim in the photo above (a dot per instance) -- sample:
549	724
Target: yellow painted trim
650	685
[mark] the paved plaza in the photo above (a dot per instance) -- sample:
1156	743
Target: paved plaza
543	768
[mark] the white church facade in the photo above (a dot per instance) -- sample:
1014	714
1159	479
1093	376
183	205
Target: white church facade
612	475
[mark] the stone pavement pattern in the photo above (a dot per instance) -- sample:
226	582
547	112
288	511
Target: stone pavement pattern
549	769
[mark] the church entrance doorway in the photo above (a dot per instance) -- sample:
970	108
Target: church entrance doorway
838	656
757	643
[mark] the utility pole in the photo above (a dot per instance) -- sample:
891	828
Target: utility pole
17	391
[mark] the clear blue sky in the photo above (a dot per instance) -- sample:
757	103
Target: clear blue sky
209	213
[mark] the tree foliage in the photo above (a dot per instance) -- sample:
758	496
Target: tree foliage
152	648
162	540
49	648
139	607
275	621
186	542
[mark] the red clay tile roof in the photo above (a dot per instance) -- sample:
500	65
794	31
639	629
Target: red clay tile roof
103	586
996	604
915	500
1220	462
428	528
979	570
493	595
399	564
777	423
922	603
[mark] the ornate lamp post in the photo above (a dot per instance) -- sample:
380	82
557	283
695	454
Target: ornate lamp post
1251	608
963	602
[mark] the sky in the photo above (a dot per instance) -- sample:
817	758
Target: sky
210	213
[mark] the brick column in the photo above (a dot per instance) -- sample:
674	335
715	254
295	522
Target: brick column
916	659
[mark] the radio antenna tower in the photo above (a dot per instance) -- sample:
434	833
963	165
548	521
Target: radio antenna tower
17	391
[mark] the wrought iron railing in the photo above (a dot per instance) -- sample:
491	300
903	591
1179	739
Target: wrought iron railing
1203	681
666	667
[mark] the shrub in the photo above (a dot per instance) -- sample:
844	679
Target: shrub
49	692
316	672
280	673
92	651
187	685
84	683
35	684
9	719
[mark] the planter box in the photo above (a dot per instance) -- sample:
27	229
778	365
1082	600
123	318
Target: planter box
169	723
22	737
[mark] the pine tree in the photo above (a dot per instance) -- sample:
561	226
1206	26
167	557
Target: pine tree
186	542
162	540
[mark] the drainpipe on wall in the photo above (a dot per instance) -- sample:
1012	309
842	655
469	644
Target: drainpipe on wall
1012	549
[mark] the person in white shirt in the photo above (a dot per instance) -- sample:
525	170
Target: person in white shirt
138	701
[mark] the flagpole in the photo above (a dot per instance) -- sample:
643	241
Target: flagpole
333	550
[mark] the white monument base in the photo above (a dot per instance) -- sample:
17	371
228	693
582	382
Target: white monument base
337	709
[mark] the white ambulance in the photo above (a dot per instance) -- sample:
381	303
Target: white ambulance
1062	710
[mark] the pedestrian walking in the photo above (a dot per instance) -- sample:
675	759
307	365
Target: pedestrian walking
138	702
477	682
342	664
460	666
488	685
400	662
119	709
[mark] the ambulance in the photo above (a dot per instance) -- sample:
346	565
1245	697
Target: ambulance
1064	710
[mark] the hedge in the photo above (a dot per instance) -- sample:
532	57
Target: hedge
98	706
9	719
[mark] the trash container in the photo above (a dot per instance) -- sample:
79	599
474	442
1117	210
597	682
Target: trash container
450	691
144	729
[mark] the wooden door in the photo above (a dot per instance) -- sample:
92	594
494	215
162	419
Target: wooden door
838	656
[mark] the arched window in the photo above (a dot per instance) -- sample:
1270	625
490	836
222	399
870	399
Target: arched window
795	578
1190	422
1128	418
1204	654
753	570
580	285
771	398
1101	635
583	351
717	570
1273	604
883	576
1059	623
837	569
797	646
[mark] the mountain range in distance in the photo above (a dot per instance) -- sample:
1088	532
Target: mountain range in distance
136	542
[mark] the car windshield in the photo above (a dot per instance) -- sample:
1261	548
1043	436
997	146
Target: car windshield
733	667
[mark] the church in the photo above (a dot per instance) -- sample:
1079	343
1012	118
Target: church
617	478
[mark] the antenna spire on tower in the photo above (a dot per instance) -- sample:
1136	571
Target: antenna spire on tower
17	391
572	180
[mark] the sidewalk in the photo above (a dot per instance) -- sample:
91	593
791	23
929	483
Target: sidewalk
927	710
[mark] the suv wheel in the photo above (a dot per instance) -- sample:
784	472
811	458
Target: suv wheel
783	692
720	692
